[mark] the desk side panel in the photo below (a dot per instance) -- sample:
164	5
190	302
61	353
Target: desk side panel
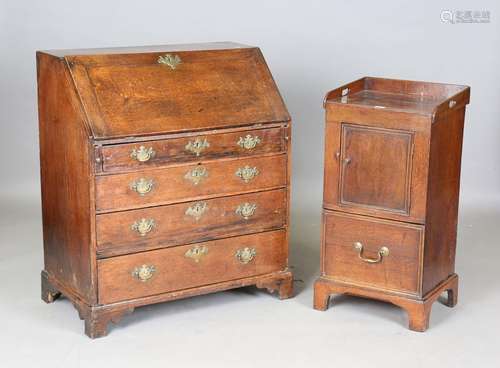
66	180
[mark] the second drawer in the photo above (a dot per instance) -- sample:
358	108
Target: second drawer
373	253
138	230
190	182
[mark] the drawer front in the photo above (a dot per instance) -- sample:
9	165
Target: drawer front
189	182
188	266
139	230
374	253
126	157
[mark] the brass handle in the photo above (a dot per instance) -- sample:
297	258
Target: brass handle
383	252
144	272
143	154
246	210
142	186
196	175
196	253
247	173
197	146
143	226
248	142
346	160
170	60
197	210
245	255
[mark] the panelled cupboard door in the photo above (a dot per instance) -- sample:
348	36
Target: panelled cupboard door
373	171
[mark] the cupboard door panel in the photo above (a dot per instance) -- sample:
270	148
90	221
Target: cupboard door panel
376	168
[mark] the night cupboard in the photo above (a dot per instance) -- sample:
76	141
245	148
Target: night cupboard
392	172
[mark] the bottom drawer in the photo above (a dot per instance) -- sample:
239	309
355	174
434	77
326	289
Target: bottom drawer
372	252
160	271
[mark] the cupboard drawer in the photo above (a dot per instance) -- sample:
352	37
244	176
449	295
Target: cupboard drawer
183	267
189	182
139	230
353	252
126	157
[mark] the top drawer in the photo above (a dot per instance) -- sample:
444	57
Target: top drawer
141	155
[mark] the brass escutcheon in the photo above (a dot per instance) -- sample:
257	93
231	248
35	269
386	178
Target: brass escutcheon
383	252
196	175
142	186
197	146
143	226
171	60
197	210
196	253
144	272
245	255
247	173
142	154
246	210
248	142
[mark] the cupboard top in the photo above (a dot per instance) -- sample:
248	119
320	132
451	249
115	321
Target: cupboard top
414	97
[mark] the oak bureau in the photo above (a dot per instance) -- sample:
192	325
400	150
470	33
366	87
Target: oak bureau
165	174
392	176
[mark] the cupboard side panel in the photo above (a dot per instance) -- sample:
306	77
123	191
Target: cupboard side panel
66	177
442	198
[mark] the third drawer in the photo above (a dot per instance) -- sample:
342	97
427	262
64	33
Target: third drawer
156	227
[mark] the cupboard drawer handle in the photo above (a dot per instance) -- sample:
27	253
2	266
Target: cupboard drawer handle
196	175
170	60
383	252
143	226
246	210
197	210
143	154
144	273
196	253
248	142
142	186
197	146
245	255
247	173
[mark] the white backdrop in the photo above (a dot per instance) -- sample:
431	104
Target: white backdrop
311	47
